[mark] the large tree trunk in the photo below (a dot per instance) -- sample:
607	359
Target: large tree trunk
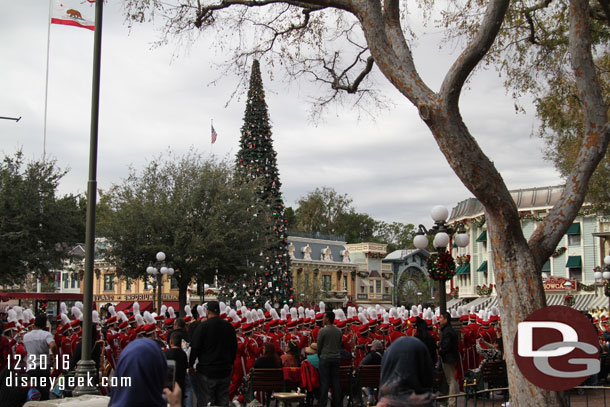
183	284
520	293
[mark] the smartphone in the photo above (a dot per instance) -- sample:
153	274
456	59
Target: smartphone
171	375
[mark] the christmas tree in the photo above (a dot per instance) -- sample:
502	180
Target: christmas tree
256	162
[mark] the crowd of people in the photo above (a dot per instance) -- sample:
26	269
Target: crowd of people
214	351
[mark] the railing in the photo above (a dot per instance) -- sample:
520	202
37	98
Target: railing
316	235
581	396
387	297
363	296
367	247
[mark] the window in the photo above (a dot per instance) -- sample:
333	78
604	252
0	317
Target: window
345	283
576	274
72	281
378	286
362	290
371	289
173	283
326	283
573	240
128	284
387	290
108	282
65	277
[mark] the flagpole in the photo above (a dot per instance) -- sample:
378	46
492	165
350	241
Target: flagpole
46	85
85	368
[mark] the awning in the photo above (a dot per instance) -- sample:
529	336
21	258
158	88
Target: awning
546	267
174	304
463	269
483	266
364	283
123	306
574	262
582	302
145	306
41	296
482	237
389	283
574	229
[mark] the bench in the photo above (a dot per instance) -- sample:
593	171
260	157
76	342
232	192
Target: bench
495	375
366	376
346	383
271	381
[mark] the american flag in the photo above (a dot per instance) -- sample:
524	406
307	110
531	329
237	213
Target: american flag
214	135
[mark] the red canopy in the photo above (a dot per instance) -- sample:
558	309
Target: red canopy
42	296
123	306
145	306
174	304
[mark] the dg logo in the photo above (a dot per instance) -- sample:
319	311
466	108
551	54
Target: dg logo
556	348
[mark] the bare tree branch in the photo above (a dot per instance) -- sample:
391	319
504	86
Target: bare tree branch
595	141
474	52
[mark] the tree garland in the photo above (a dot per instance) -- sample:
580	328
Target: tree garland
441	267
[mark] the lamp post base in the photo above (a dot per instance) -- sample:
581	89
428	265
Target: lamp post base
85	378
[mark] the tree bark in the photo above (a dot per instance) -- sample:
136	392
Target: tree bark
183	284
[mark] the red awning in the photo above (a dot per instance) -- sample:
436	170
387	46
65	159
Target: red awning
174	304
42	296
123	306
145	306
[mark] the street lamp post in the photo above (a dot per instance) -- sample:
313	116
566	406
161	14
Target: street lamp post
606	276
158	272
442	233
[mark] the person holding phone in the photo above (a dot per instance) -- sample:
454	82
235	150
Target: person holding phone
178	356
143	361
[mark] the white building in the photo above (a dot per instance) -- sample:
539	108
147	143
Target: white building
579	252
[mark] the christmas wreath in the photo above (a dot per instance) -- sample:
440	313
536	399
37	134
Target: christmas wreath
441	267
569	300
606	289
559	251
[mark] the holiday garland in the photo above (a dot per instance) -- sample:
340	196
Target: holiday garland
374	255
606	289
569	300
455	292
485	290
441	267
559	251
462	260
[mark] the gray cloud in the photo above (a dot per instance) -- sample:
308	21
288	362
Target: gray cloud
150	101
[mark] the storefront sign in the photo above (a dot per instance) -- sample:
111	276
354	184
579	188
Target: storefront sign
558	284
132	297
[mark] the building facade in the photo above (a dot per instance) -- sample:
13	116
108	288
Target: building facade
568	272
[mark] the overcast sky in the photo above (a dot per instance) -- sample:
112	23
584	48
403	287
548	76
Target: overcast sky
153	99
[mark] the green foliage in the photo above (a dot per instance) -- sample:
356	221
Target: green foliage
37	227
321	211
328	212
562	129
188	207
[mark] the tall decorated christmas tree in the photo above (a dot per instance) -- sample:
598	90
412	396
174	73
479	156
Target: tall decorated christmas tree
256	162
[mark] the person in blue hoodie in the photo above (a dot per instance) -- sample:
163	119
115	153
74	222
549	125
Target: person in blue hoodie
143	362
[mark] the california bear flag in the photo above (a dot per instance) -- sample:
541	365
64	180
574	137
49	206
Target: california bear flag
72	12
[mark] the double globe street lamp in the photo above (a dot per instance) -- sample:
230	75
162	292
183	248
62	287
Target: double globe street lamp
158	272
441	265
598	275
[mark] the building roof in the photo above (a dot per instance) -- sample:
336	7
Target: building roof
526	199
317	246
